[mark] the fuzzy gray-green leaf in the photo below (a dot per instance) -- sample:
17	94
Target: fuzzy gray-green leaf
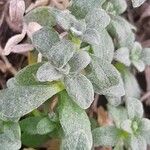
79	61
97	18
134	107
122	55
41	15
61	53
44	39
77	135
47	72
105	136
80	89
105	46
146	56
10	139
20	100
102	74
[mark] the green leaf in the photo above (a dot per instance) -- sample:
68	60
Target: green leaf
28	125
122	32
47	72
97	18
42	15
102	74
138	143
114	93
91	36
80	8
34	141
67	21
144	125
79	61
136	57
105	47
132	88
126	125
120	6
146	56
10	138
137	3
61	53
76	133
27	76
105	136
134	107
45	126
24	99
118	114
122	55
80	89
44	39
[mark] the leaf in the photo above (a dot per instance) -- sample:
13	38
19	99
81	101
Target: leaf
81	94
120	6
122	32
61	53
138	143
24	99
47	72
105	136
44	39
34	141
134	108
122	55
67	21
118	114
42	15
144	125
16	10
77	135
97	18
29	124
80	8
114	93
105	47
79	61
137	3
131	86
136	56
146	56
45	126
14	40
126	125
91	36
10	138
102	74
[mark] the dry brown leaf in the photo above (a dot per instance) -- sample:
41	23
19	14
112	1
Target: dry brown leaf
102	117
37	4
53	144
13	41
3	67
16	10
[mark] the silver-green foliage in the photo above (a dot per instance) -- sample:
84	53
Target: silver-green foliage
79	47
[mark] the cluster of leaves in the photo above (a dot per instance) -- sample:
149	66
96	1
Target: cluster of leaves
95	55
